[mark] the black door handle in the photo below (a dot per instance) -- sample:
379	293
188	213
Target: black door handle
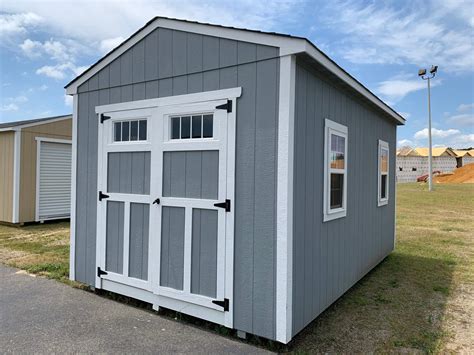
157	201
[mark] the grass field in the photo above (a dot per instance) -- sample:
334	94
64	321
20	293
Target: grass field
420	298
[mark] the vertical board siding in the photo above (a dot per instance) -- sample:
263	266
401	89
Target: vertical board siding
193	174
129	172
204	252
172	247
181	63
138	252
330	257
114	237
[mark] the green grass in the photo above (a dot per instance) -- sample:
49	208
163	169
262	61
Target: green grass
404	304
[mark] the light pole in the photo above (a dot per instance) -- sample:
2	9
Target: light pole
422	74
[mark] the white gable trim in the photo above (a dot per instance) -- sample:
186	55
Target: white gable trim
286	45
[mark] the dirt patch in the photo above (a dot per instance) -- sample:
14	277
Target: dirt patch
463	174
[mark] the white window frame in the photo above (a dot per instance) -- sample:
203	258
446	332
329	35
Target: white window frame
330	128
382	146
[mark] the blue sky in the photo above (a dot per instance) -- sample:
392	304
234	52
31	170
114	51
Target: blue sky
45	44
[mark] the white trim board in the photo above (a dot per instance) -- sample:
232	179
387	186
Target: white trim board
72	234
284	249
16	176
286	44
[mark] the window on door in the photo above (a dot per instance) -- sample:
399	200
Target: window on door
335	170
130	130
192	126
383	173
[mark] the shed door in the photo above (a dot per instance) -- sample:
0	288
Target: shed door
123	207
53	199
192	161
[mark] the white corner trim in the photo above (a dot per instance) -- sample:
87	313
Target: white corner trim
72	234
172	100
16	176
284	243
37	186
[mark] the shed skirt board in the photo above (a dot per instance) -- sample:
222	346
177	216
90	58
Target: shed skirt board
163	224
53	195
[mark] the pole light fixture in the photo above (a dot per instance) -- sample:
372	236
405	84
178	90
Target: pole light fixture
422	74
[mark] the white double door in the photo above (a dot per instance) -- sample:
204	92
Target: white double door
165	214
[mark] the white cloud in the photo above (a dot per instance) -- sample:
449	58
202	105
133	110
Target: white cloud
399	86
31	49
61	71
404	143
465	108
106	45
436	133
12	25
43	87
68	100
9	107
428	33
464	119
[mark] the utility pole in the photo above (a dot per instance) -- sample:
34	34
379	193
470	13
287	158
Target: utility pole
422	73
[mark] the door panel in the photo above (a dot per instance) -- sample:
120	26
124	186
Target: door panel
114	237
139	234
129	172
172	248
192	174
204	253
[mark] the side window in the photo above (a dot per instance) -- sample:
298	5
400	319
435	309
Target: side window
192	127
383	173
335	171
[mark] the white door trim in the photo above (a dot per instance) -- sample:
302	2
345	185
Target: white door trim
284	257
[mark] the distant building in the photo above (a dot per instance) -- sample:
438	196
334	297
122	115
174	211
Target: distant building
464	157
412	163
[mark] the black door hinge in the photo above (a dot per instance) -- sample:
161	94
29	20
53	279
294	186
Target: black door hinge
104	118
157	201
102	196
100	272
224	304
225	205
227	106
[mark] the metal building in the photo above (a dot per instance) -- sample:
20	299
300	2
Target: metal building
35	169
238	176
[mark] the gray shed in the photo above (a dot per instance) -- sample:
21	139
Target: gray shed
238	176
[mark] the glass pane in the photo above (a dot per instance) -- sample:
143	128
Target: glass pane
383	192
117	131
384	160
197	126
185	127
207	126
337	190
175	128
134	130
125	131
142	130
338	144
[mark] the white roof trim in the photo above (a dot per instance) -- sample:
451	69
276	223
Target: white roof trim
31	124
287	45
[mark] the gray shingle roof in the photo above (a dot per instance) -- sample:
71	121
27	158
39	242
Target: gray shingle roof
33	121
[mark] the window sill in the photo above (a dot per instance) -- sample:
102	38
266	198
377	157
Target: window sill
334	215
382	203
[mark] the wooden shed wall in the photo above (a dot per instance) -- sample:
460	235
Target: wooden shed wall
6	175
59	130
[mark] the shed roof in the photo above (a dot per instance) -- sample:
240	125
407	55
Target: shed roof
10	126
287	45
461	153
436	152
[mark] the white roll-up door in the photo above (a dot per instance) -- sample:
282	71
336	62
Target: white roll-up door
53	181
